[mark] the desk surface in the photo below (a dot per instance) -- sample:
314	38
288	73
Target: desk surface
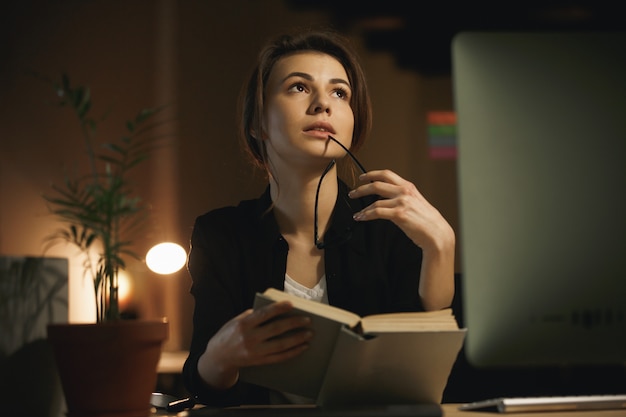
451	410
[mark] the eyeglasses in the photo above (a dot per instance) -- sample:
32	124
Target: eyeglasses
319	243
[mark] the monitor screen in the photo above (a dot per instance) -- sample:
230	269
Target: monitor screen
542	197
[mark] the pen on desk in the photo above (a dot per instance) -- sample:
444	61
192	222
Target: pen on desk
180	405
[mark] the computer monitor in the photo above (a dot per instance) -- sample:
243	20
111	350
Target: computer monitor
541	121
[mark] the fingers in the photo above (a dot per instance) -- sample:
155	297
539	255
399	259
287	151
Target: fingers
286	345
382	175
397	195
403	204
268	312
400	202
398	210
270	335
386	184
254	337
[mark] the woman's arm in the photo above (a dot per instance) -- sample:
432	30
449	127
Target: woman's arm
227	334
405	206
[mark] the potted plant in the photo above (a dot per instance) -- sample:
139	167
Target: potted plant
107	367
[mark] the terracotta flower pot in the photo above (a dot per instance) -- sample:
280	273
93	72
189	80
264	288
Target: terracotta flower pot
108	369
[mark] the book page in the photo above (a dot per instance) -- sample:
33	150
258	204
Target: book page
411	321
315	307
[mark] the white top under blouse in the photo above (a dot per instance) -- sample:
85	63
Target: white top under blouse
317	293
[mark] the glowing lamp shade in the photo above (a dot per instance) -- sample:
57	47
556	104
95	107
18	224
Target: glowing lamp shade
166	258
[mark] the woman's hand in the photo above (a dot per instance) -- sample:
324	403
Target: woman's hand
255	337
405	206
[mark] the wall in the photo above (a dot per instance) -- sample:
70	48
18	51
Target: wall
193	56
113	52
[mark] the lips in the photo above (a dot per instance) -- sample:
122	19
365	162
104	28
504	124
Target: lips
322	127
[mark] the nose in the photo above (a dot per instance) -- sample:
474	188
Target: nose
319	104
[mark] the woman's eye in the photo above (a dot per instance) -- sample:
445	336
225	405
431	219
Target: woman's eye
297	88
341	93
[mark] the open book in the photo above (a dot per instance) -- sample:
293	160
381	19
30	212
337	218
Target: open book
395	358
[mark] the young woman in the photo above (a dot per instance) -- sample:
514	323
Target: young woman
374	248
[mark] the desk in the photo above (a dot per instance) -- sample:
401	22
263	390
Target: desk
169	369
451	410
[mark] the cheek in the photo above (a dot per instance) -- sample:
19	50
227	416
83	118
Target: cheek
269	125
349	120
275	119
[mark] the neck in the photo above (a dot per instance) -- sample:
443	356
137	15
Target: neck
294	202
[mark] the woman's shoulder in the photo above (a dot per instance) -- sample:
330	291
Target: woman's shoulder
248	223
246	209
243	214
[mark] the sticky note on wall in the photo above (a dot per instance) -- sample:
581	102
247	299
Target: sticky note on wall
442	134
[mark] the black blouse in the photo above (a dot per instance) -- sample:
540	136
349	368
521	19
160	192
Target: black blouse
371	267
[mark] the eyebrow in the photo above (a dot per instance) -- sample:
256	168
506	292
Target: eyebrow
310	78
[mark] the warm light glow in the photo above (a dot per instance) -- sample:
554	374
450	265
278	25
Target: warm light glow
166	258
124	288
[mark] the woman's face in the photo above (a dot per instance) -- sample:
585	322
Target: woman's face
307	98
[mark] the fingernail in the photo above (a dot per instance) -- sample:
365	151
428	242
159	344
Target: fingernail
357	216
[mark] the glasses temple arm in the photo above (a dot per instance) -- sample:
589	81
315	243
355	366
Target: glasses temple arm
356	161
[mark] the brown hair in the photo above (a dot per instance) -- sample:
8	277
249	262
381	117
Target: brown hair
252	95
